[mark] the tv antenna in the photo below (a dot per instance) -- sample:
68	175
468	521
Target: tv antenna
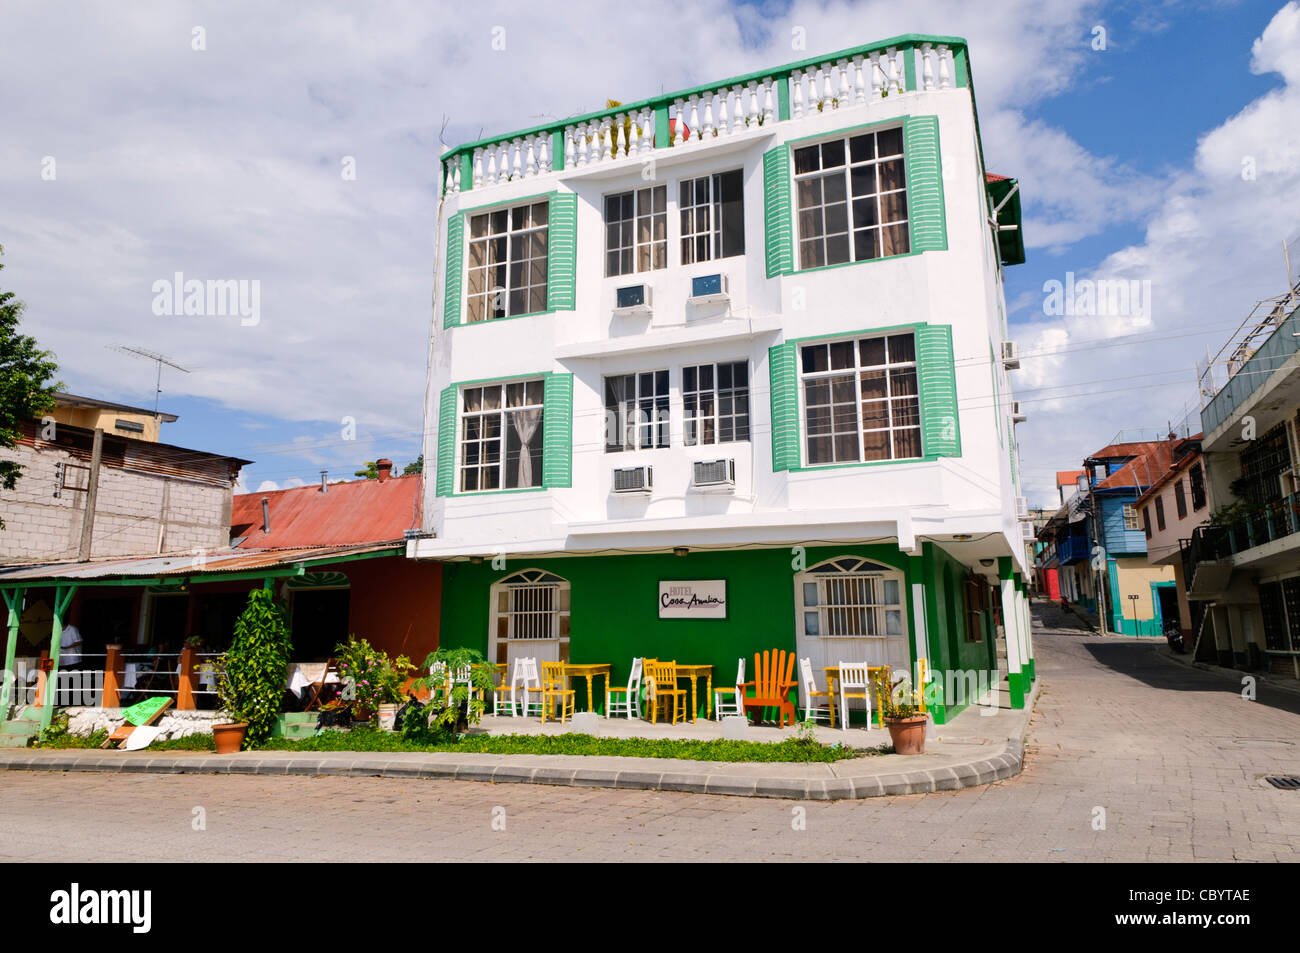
159	359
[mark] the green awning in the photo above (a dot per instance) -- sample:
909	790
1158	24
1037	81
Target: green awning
1011	236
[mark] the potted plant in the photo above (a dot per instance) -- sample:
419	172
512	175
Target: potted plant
462	707
250	676
372	681
905	718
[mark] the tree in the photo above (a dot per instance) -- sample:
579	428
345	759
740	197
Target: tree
415	466
371	472
26	382
251	677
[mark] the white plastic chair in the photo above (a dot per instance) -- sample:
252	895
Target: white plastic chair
530	681
630	706
811	711
503	699
723	708
853	675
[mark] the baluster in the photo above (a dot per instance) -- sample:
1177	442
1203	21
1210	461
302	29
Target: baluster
530	160
544	152
707	130
752	111
570	159
693	123
681	122
721	128
768	111
895	73
876	76
828	97
647	131
737	110
620	143
927	68
517	165
492	165
606	141
796	95
843	98
945	75
859	90
478	168
455	177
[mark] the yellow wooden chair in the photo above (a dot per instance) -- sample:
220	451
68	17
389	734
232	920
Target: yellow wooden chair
662	678
555	688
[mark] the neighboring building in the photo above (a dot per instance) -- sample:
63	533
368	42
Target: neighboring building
148	497
1065	559
1246	565
734	345
90	413
1170	509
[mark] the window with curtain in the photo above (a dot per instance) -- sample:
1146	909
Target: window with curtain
715	400
507	262
636	231
851	199
636	411
501	436
860	400
712	212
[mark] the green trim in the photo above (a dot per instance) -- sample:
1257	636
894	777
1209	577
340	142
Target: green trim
910	83
508	203
844	335
13	603
783	384
961	67
466	172
662	138
523	489
1016	688
446	477
557	151
850	264
925	206
562	252
451	307
778	223
557	431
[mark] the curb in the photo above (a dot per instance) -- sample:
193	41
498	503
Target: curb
510	770
1266	679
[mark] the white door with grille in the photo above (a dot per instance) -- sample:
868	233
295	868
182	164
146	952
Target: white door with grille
849	609
530	618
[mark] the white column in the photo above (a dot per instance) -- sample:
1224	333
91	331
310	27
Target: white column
1011	622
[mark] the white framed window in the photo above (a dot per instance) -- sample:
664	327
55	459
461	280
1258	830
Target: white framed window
712	213
636	411
636	231
851	609
501	436
860	400
715	399
851	199
507	262
1131	520
530	617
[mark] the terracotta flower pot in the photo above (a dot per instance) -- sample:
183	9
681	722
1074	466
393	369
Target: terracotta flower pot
908	734
230	737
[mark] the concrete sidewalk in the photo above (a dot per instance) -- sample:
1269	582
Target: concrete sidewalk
973	750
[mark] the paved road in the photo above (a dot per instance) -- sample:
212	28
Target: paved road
1172	755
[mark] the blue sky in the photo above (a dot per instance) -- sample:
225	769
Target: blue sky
224	162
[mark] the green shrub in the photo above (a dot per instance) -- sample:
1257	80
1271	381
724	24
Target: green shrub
250	678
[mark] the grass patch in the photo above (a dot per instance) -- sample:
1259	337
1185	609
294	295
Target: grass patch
97	738
371	739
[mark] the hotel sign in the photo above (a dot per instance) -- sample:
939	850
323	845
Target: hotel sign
693	599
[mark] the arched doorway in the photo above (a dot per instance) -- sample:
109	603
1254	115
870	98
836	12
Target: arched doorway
852	610
530	618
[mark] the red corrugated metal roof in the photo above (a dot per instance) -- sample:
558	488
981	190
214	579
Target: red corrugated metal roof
990	177
1148	466
358	511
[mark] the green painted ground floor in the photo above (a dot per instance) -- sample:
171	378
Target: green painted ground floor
867	603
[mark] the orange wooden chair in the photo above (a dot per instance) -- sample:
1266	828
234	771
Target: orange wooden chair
773	682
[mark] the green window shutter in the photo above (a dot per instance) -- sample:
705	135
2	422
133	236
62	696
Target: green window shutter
925	183
557	431
784	385
455	267
936	374
561	252
447	441
777	220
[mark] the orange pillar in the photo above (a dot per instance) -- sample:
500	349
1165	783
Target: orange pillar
42	676
112	696
185	680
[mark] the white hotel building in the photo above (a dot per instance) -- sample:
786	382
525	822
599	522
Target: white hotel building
746	341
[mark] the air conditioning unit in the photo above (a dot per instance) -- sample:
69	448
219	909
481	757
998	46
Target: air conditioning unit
1022	508
1027	531
634	299
1010	356
714	475
706	289
1017	415
634	480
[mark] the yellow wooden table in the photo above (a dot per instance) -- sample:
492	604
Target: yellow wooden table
590	670
695	673
876	673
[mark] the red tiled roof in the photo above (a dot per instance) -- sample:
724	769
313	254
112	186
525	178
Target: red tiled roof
358	511
990	177
1068	477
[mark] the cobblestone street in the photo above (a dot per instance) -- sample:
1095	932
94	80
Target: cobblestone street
1173	756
